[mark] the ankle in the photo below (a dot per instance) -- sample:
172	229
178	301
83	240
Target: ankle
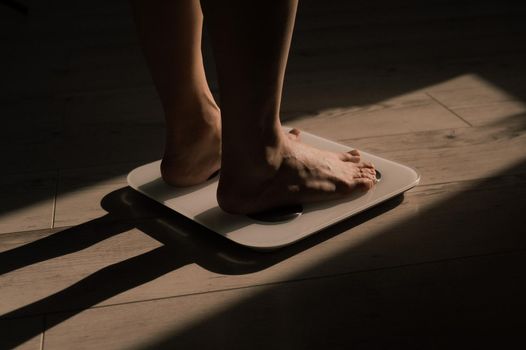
254	156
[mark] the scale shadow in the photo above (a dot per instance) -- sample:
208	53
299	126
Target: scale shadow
184	242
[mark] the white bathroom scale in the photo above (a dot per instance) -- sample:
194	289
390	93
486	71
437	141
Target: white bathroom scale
273	230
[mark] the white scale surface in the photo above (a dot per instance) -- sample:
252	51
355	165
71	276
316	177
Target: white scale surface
199	203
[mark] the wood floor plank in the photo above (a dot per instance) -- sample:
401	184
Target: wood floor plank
13	240
456	299
119	260
403	115
470	163
105	144
460	139
447	155
80	191
27	201
493	113
62	263
79	206
480	95
22	333
326	86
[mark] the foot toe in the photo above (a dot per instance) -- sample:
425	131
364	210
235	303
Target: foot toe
367	165
349	157
294	134
355	152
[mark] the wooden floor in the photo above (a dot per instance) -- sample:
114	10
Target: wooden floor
87	263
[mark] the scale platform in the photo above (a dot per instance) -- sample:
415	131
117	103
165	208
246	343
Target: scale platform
270	231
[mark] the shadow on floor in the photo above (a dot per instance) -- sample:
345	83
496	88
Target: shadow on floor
184	242
443	299
415	281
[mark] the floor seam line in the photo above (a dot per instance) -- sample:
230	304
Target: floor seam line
43	334
284	282
469	180
399	134
448	109
66	227
55	195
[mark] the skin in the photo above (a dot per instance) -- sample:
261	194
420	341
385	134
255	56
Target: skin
261	166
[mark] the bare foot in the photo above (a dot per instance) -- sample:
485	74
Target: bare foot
193	150
294	173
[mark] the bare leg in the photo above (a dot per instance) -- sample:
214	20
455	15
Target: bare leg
170	33
261	167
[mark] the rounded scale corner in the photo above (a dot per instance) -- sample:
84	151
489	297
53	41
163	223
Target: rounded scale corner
416	179
259	243
413	178
264	249
260	247
268	246
129	178
135	176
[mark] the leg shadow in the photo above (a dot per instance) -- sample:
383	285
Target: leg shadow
184	242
